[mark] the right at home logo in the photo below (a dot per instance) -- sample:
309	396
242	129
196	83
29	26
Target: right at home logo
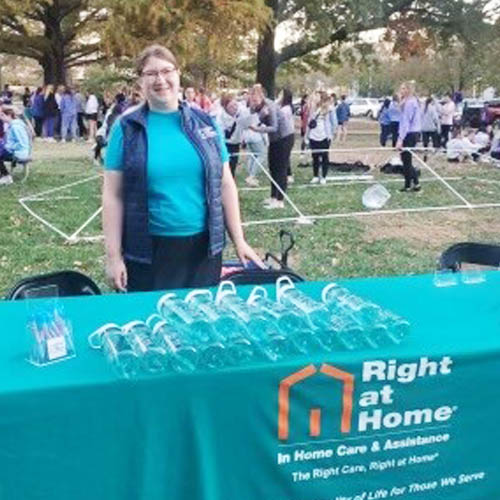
369	418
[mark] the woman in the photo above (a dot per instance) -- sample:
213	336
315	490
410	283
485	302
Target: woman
167	189
69	112
50	113
304	119
37	111
320	131
91	112
410	127
447	112
266	114
385	122
430	124
343	114
394	117
17	145
231	122
281	168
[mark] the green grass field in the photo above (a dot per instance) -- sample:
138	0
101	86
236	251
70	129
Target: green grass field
394	243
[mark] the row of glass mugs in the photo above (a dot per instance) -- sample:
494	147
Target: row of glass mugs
200	332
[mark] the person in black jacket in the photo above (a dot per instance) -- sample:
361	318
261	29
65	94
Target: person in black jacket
50	113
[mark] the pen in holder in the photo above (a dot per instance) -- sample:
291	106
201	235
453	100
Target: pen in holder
50	331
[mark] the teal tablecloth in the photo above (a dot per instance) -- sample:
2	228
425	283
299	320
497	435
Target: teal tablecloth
73	431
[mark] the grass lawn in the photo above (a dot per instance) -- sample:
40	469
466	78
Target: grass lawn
395	243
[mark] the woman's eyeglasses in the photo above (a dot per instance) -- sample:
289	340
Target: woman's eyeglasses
154	74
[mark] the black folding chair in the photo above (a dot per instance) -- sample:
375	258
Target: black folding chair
252	275
61	283
483	254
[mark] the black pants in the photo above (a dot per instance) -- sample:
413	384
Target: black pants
233	150
4	156
394	133
279	164
82	130
38	126
430	136
320	158
385	132
445	134
409	171
178	262
495	155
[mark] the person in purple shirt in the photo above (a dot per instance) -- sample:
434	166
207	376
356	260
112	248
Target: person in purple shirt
410	127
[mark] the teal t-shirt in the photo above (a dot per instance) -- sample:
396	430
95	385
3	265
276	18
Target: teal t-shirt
175	175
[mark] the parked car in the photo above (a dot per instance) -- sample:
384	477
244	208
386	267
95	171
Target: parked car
364	106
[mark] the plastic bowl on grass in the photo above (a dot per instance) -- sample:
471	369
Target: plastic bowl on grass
375	197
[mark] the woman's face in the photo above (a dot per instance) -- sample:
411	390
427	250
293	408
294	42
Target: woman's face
232	107
160	83
255	99
404	91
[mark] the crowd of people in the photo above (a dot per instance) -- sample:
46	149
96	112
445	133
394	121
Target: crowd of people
440	131
258	130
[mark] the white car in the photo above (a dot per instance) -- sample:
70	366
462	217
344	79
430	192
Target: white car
364	106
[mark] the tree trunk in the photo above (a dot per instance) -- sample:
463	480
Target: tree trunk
267	60
53	62
54	69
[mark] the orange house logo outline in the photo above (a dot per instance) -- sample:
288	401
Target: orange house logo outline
287	383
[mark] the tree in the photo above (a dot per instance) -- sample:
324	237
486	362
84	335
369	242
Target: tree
59	34
325	24
211	38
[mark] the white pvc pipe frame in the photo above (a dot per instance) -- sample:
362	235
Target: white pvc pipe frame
302	219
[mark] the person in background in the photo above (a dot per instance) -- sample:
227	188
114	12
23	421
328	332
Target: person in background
410	127
230	120
385	122
26	99
495	146
255	142
267	123
430	125
68	108
17	144
280	169
204	101
482	139
91	112
304	117
460	148
50	111
447	111
168	193
114	111
37	110
485	116
190	97
80	114
343	115
58	95
395	117
319	134
458	96
6	96
135	97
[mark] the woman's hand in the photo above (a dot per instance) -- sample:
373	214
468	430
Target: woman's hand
117	273
245	253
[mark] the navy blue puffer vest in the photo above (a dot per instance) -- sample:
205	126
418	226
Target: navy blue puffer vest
200	130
